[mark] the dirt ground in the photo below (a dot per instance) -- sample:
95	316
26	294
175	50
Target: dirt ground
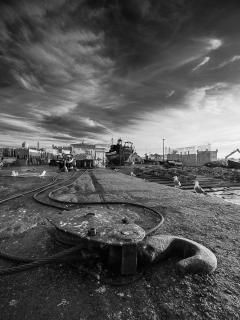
61	292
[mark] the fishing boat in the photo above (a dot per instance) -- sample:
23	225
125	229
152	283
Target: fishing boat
119	154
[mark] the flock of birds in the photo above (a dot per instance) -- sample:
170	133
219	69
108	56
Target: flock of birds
177	184
197	188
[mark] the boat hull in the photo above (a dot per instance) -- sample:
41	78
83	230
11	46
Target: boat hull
233	164
119	159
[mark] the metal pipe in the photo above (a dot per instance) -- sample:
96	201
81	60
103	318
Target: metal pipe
163	148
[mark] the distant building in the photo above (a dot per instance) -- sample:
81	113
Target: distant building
194	159
26	155
7	152
66	150
30	156
100	158
189	149
52	153
206	156
82	151
155	157
60	150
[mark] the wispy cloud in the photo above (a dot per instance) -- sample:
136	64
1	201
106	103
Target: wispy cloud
225	63
204	61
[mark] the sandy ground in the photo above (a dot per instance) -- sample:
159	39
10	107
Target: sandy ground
60	292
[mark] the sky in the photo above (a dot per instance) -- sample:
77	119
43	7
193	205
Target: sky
142	70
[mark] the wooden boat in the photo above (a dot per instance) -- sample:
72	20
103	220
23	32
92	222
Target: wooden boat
233	164
119	154
216	164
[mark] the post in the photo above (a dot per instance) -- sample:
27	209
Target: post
163	148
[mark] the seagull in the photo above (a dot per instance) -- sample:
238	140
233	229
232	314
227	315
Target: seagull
13	174
42	174
197	188
177	183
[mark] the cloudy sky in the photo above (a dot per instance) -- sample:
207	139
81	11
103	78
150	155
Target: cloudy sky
142	70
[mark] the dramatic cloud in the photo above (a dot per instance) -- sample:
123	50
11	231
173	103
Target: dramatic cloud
96	69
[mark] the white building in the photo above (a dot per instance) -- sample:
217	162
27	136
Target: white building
83	151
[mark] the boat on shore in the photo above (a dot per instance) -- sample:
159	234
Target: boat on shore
119	154
233	164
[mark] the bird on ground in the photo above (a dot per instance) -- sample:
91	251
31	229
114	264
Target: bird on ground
42	174
198	188
177	183
132	174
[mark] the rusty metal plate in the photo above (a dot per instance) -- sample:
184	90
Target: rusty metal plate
100	225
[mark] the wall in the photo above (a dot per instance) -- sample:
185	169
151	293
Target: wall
206	156
7	152
189	159
186	159
198	159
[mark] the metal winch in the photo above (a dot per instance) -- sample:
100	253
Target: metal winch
111	233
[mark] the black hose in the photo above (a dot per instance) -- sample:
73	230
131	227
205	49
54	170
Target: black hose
34	263
27	192
44	187
48	187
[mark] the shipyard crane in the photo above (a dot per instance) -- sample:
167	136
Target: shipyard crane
234	151
233	164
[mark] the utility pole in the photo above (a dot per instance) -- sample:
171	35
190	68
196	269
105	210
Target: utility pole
163	148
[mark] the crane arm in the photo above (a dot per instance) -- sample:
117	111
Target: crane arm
236	150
